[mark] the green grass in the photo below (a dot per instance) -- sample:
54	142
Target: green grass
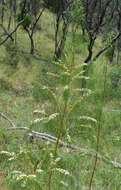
18	103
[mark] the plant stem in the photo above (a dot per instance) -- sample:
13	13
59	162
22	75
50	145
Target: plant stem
60	130
99	130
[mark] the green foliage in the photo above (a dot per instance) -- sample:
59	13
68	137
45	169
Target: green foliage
115	76
108	38
5	85
12	57
76	13
62	108
52	5
20	181
26	20
64	96
114	87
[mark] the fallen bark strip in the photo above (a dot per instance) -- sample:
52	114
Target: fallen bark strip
83	151
52	139
6	118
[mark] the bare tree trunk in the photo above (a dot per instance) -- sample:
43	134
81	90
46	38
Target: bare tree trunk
56	33
32	45
60	43
30	32
30	35
2	12
88	60
118	56
14	10
112	56
9	22
90	49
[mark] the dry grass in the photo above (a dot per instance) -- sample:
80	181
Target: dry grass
2	186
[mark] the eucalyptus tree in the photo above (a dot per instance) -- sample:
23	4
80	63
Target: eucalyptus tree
30	12
98	14
97	18
61	9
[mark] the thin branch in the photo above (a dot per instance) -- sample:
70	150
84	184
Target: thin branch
10	35
36	21
107	47
6	32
